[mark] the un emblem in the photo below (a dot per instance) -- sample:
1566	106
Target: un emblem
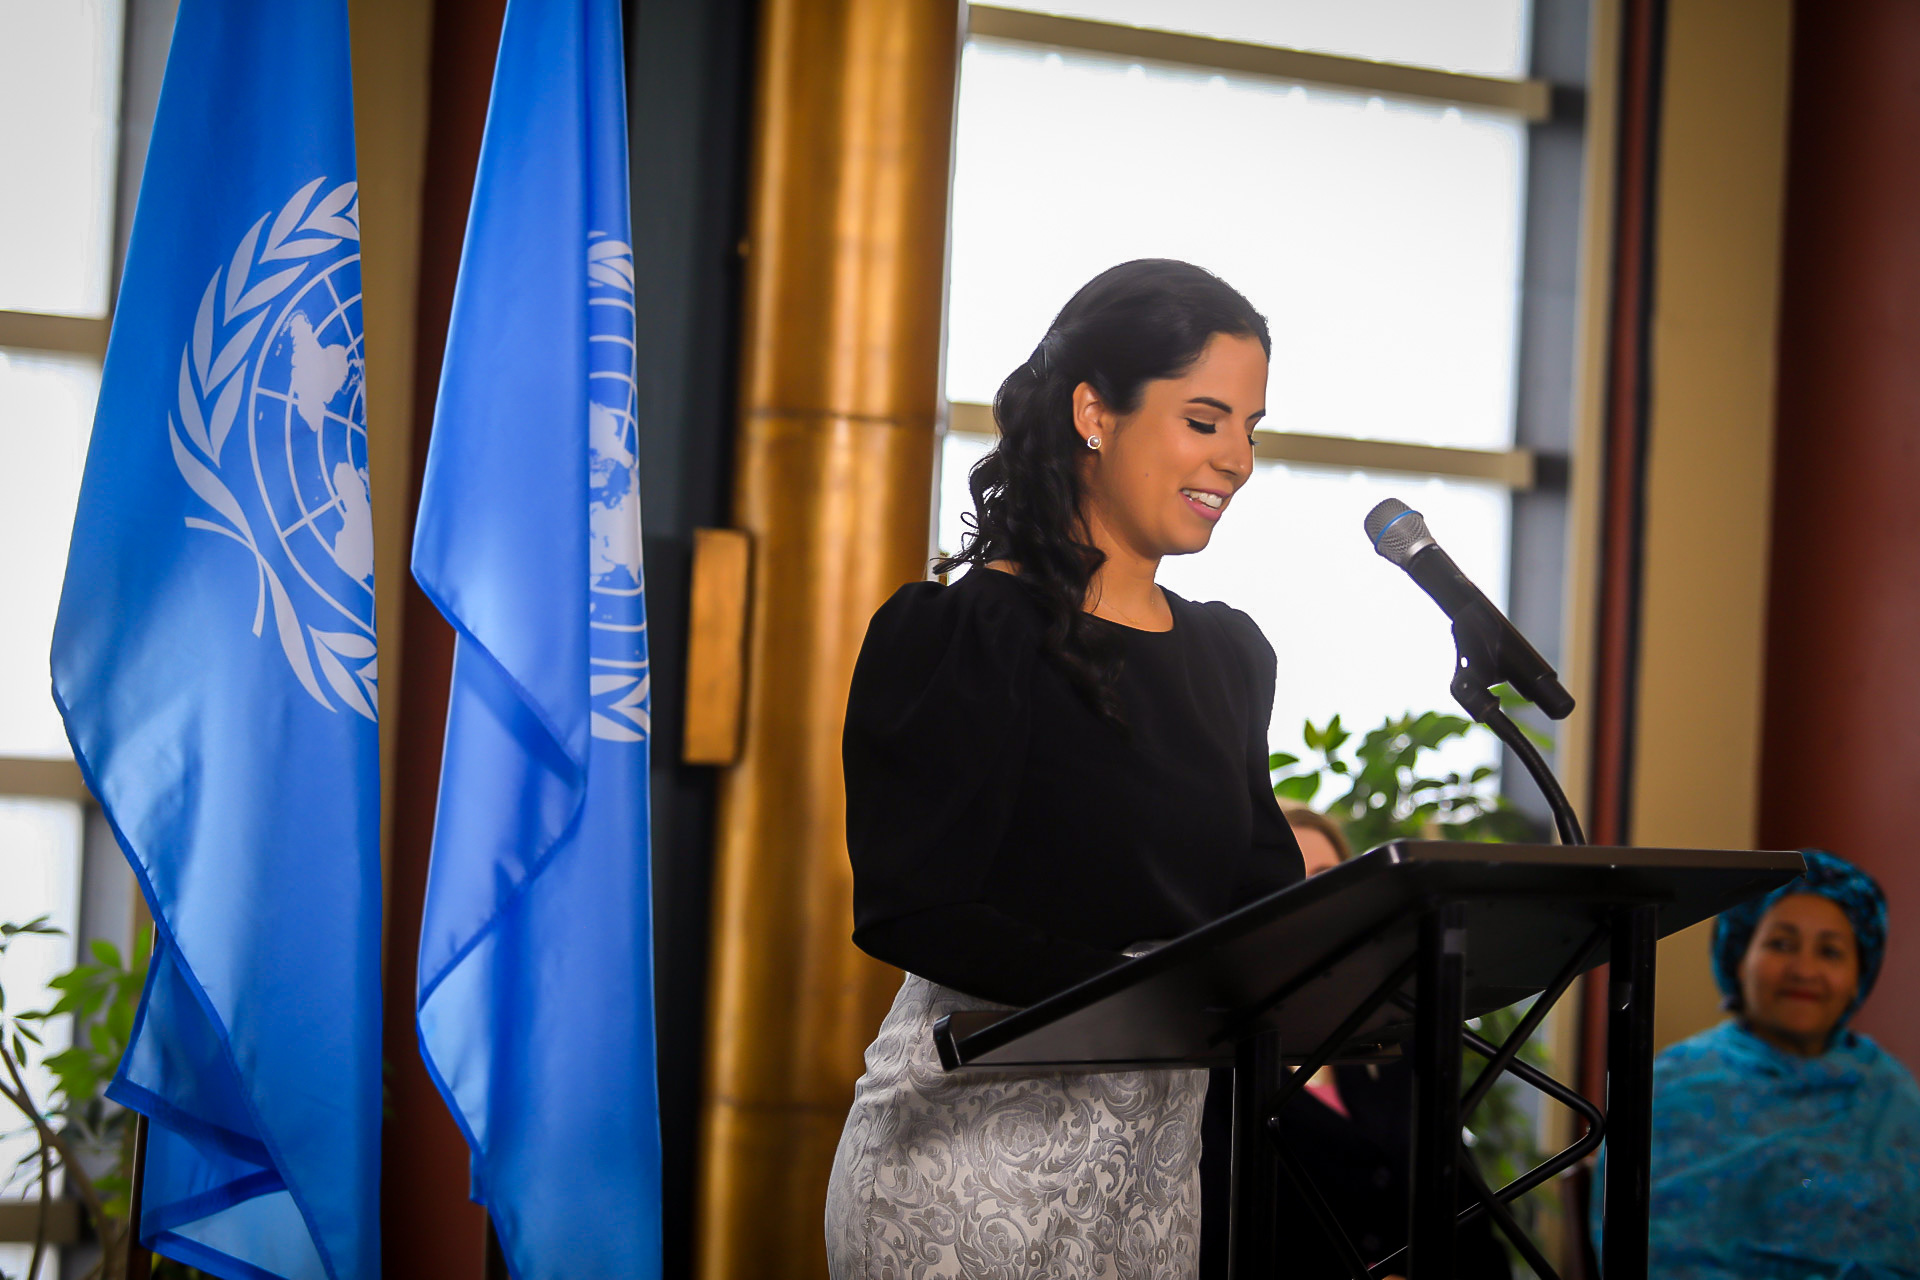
270	431
616	600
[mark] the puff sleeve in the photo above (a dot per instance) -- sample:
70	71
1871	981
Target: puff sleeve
934	750
1275	848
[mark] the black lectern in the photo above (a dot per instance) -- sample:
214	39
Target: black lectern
1392	952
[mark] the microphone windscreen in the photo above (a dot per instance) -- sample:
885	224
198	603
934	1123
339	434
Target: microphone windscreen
1396	531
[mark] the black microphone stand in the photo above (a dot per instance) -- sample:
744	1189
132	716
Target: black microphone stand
1476	670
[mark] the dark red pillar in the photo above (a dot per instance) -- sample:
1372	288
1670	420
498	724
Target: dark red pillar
1841	758
430	1230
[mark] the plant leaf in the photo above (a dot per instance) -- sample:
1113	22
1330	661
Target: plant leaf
242	264
349	644
203	333
236	349
1300	787
190	419
269	289
208	486
224	410
292	643
332	203
342	682
290	216
303	248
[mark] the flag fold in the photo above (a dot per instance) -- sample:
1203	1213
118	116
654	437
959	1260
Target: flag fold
535	1001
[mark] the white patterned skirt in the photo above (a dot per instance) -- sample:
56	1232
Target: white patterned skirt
994	1176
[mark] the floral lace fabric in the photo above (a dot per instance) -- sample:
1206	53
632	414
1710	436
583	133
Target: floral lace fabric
991	1176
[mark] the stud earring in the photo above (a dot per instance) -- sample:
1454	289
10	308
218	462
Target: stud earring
1093	442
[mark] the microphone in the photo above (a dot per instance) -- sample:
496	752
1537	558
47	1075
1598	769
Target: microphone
1485	636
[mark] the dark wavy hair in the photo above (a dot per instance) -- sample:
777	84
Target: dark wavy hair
1128	326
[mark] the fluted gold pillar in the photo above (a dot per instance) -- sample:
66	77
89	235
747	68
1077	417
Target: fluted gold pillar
840	352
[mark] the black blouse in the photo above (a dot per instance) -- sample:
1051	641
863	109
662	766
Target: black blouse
1007	841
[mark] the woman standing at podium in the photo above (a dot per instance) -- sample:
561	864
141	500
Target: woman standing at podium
1050	763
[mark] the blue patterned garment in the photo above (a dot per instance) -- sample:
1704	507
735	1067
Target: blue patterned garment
1768	1166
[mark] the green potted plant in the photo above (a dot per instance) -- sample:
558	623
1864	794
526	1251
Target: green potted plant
78	1132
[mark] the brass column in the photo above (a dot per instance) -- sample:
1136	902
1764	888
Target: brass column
840	352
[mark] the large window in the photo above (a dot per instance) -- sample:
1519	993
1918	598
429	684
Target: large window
1377	214
60	75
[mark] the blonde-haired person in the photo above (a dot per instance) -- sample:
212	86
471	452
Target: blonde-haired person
1322	843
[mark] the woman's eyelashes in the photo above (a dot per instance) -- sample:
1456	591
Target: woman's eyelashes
1208	428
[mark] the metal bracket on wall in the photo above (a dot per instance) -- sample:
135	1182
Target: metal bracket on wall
717	646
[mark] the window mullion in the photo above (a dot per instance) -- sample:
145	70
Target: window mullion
1532	100
65	335
42	779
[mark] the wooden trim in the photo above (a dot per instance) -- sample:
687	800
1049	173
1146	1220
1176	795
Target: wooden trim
1514	468
63	335
1529	99
44	779
716	646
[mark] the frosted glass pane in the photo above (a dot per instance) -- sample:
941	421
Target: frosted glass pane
1354	635
39	875
59	118
46	409
1381	239
15	1258
957	457
1486	37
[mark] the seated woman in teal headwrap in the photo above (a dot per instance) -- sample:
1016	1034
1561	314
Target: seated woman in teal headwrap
1784	1145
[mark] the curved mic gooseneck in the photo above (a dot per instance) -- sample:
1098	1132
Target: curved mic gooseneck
1489	649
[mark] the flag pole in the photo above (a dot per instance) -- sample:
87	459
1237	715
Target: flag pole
495	1267
139	1263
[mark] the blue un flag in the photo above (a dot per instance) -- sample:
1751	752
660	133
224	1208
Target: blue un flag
215	653
536	982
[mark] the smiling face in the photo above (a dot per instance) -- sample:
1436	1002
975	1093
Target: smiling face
1800	973
1164	474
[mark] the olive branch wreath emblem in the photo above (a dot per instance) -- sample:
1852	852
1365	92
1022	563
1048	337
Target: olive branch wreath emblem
213	364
